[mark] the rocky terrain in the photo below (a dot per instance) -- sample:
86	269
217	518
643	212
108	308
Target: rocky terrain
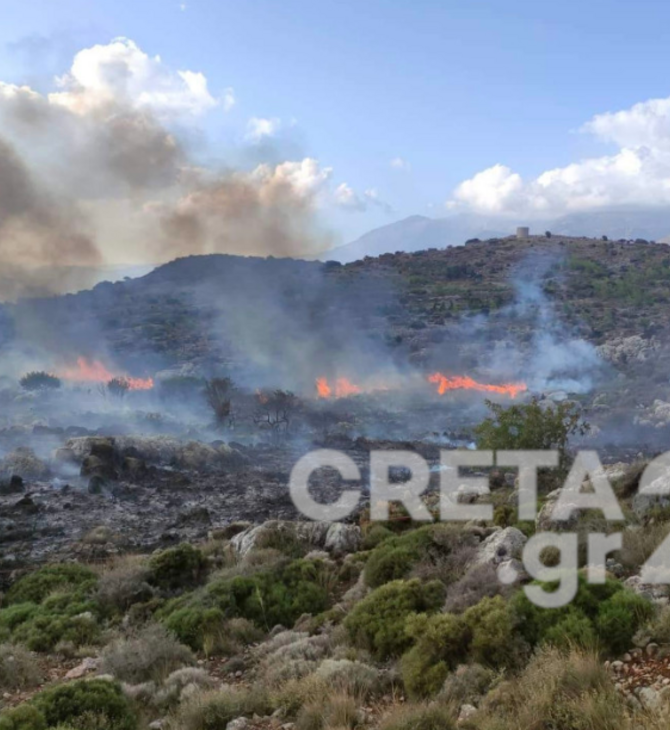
156	574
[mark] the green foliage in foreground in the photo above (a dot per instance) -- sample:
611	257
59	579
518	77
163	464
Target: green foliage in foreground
84	705
377	623
268	598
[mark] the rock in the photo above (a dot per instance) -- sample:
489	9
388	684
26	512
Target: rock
90	664
156	724
94	466
239	723
501	546
342	538
545	520
466	712
657	593
649	698
310	534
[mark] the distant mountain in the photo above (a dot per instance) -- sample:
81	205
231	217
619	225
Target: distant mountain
420	232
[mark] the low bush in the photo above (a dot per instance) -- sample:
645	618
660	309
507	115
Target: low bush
177	568
557	691
124	585
339	711
424	716
468	684
441	642
377	623
62	617
18	668
613	614
432	552
351	676
36	586
150	654
23	717
266	599
215	709
495	641
86	705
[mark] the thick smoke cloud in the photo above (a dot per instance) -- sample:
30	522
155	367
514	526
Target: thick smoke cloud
97	172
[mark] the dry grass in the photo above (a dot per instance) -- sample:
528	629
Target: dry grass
151	653
18	668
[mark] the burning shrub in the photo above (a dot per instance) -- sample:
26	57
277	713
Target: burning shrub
176	568
118	387
40	380
377	623
218	392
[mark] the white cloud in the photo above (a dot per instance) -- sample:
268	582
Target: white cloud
398	163
120	72
346	197
259	127
638	173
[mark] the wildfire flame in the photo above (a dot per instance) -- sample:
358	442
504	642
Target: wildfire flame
93	371
344	388
341	388
464	382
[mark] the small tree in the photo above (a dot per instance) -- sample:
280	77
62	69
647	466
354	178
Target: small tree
531	426
218	392
118	388
276	410
40	380
547	234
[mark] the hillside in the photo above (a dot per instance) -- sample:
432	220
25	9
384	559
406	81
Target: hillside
419	232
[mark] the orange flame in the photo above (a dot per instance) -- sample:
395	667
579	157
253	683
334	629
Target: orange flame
93	371
464	382
342	388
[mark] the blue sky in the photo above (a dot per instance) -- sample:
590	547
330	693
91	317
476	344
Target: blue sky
450	88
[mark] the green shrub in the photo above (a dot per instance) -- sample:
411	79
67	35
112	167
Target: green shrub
441	643
70	617
573	630
177	568
427	550
613	613
494	638
375	535
377	623
198	627
36	586
266	599
87	705
23	717
619	618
